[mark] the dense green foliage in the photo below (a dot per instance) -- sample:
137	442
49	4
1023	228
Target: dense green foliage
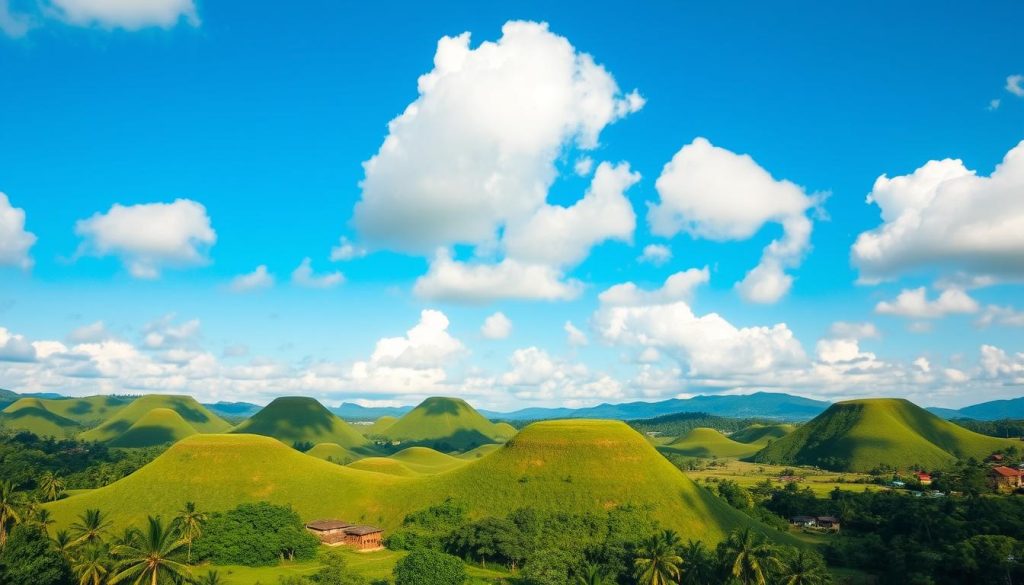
762	433
429	567
254	535
1004	428
861	435
28	559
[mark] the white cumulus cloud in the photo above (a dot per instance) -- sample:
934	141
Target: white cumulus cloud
150	236
303	276
257	279
710	192
496	326
450	279
574	336
914	303
15	240
678	287
127	14
656	254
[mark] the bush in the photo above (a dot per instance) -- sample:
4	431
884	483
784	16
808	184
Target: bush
29	559
255	535
429	567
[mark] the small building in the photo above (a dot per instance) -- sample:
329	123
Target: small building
802	521
923	478
830	523
341	533
1005	478
995	457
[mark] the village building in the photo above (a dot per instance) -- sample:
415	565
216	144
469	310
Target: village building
802	521
340	533
830	523
924	478
1005	478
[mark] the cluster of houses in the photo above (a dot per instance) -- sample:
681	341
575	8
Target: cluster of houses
340	533
824	523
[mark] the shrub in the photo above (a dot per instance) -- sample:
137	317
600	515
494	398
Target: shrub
255	535
429	567
29	559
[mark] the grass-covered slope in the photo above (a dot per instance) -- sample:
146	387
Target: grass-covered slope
761	434
705	442
193	413
296	419
427	460
384	465
572	466
379	426
88	411
448	424
157	427
860	435
333	452
31	414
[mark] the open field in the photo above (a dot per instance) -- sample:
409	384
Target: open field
748	474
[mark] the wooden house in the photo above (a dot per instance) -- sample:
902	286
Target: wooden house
341	533
1005	478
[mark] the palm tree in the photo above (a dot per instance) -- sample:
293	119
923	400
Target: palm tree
91	527
151	557
211	578
671	539
804	569
40	516
748	558
700	564
51	486
63	542
126	537
9	515
189	523
657	564
591	575
91	566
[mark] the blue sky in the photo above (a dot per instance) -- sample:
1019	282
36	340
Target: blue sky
260	121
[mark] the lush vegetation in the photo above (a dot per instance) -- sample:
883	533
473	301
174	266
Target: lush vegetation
295	420
860	435
677	425
445	424
194	415
705	442
762	433
1004	428
160	426
254	535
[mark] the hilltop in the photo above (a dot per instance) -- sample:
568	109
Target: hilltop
448	424
296	419
570	466
860	435
333	452
31	414
705	442
159	426
762	434
193	413
378	427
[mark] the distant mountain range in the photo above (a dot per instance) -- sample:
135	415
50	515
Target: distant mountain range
992	410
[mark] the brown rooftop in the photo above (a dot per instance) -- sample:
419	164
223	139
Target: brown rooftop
327	525
1007	471
361	530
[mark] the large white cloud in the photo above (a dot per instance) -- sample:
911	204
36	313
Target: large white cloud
916	304
536	375
127	14
710	192
15	348
946	218
150	236
15	240
678	287
496	326
449	279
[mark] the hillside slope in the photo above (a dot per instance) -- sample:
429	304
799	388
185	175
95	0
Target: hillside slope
333	452
159	426
705	442
195	414
860	435
570	466
448	424
761	434
31	414
296	419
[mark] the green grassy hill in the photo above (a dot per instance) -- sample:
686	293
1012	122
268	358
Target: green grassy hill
379	426
427	460
705	442
384	465
31	414
295	419
159	426
333	452
195	414
762	434
88	411
572	466
481	451
859	435
447	424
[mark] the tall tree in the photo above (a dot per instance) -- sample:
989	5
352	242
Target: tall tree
90	565
9	514
189	523
62	541
152	557
657	563
591	574
701	568
211	578
748	558
804	568
51	486
92	526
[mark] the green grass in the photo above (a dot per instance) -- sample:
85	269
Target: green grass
427	460
859	435
31	414
333	452
570	466
705	442
295	419
481	451
762	434
384	465
193	413
449	424
159	426
87	411
749	474
378	427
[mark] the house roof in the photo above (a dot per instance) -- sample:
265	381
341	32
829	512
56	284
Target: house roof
327	525
361	530
1006	471
831	519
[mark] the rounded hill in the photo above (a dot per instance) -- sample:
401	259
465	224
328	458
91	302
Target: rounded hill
159	426
332	452
194	414
447	424
296	419
705	442
861	435
32	415
758	433
383	465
